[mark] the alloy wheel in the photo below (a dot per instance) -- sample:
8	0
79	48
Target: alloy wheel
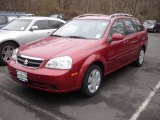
94	81
7	52
141	57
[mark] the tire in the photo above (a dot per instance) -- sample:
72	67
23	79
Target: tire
6	51
140	60
154	30
92	81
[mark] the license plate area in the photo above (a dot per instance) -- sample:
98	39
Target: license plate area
22	76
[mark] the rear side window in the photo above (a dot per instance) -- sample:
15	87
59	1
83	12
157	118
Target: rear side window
55	24
129	26
118	27
42	24
2	20
138	24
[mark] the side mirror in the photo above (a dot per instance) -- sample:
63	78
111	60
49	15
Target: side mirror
117	37
34	28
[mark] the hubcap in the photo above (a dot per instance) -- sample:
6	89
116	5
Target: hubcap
94	81
141	57
7	52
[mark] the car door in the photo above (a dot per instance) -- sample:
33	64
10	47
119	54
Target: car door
134	38
43	30
141	36
117	50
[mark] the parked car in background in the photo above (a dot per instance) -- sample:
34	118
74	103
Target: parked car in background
79	54
59	16
25	30
152	25
30	15
6	17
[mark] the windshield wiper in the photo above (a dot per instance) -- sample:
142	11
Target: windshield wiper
5	29
81	37
57	35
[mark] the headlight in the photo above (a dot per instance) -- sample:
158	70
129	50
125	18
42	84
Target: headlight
60	63
14	54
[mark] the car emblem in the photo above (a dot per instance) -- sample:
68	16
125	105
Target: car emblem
26	62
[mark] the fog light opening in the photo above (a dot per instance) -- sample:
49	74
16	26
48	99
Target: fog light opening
53	87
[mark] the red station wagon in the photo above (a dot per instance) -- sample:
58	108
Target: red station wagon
79	54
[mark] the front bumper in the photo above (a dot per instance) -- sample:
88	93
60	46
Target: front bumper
150	29
48	80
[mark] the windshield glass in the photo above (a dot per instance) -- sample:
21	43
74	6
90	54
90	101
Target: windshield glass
18	25
84	29
150	22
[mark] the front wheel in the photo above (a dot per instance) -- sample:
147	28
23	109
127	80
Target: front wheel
140	60
154	30
92	81
6	50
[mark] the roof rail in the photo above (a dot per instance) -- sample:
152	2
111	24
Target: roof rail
120	14
84	15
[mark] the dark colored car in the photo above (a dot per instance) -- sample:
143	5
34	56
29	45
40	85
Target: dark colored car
152	25
6	17
79	54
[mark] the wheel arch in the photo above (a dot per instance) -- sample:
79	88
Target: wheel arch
92	60
11	41
144	47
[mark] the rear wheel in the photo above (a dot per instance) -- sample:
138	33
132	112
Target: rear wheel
140	60
6	50
92	81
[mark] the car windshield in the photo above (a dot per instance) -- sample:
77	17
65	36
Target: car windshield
83	29
18	25
150	22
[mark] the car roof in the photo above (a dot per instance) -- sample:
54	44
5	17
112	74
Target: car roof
42	18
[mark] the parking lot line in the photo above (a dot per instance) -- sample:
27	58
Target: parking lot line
144	105
38	109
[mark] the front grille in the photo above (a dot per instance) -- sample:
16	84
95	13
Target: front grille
29	61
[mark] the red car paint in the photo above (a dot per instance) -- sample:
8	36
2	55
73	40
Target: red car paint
111	56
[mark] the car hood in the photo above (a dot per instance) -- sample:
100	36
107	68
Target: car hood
55	46
6	34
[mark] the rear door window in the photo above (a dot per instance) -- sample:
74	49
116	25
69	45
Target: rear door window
138	25
2	20
42	24
55	24
129	26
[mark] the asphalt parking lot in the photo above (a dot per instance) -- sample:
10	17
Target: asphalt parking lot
129	94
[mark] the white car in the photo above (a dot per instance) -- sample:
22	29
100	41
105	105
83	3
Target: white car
25	30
